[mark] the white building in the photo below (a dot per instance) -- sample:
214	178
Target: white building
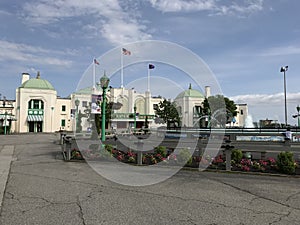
242	116
38	109
190	104
123	118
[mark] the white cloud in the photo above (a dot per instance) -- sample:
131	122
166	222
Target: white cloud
262	106
4	13
285	50
212	6
10	51
115	24
264	99
180	5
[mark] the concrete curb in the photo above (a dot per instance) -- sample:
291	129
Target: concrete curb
6	156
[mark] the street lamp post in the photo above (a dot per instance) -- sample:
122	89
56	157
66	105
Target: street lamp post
297	115
298	109
283	70
5	121
134	116
104	81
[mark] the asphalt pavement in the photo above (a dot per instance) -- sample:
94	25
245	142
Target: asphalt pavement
42	189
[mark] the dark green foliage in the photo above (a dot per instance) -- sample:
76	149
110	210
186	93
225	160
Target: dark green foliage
167	111
109	148
185	156
286	163
162	150
236	155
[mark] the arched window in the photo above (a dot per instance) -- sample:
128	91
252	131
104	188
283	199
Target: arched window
140	105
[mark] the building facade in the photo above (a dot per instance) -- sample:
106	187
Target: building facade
130	109
7	116
37	108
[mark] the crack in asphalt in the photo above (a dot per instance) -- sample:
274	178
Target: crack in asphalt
81	214
49	203
280	219
291	196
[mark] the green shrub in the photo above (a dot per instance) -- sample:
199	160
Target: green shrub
236	155
185	156
162	150
109	148
286	163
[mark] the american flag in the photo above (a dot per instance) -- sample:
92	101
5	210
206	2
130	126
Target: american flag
96	62
126	52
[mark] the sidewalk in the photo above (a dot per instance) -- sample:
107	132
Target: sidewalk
6	156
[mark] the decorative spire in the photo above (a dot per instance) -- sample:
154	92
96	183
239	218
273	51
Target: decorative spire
38	76
190	87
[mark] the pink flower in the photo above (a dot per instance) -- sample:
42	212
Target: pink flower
263	163
271	161
246	168
246	162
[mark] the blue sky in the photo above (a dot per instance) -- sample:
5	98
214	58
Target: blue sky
243	42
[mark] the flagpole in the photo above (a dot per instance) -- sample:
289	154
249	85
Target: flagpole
122	65
94	75
148	79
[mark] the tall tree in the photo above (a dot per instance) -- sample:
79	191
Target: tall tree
167	111
220	108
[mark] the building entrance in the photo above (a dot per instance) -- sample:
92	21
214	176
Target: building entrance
35	127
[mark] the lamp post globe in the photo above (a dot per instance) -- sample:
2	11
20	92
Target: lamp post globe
77	102
283	70
104	81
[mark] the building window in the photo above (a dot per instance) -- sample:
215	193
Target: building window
197	110
63	122
63	108
84	103
155	106
242	112
35	104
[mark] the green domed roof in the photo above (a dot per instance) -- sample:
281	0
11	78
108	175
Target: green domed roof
190	93
37	83
87	90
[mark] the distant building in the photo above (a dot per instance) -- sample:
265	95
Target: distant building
242	117
7	116
189	104
38	109
129	101
267	123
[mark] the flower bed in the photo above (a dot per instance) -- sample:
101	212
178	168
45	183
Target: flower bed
285	162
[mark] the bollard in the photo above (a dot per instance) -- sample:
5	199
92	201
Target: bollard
227	150
139	147
62	136
67	141
228	159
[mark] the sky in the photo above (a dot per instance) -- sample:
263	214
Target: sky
244	43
